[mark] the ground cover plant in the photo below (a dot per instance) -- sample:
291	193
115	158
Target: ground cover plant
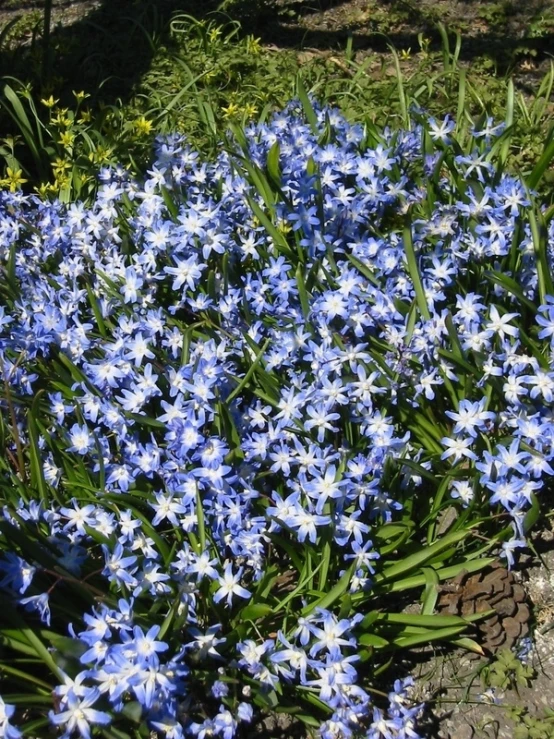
142	73
238	396
243	393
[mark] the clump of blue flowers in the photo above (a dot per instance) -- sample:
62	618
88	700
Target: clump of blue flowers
237	397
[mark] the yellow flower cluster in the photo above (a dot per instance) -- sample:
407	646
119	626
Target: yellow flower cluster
13	179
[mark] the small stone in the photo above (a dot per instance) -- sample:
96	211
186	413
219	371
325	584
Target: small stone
464	731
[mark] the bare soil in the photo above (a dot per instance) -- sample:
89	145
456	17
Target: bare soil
64	12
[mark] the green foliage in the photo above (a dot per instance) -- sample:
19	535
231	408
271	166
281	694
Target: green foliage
207	73
528	726
20	29
208	76
61	150
506	672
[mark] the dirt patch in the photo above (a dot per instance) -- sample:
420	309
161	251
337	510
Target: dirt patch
26	15
503	36
474	19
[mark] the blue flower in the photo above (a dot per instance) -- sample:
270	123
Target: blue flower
8	730
18	574
78	715
40	603
230	585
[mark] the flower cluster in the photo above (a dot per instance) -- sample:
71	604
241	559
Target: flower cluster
227	377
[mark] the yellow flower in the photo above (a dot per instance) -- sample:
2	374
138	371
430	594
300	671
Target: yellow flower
14	179
253	45
62	180
43	189
47	188
143	126
231	110
250	110
61	119
49	102
214	34
67	139
405	53
80	96
101	155
284	227
85	117
60	165
424	44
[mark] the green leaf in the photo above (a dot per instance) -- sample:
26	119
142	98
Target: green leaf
37	473
413	269
76	374
372	640
258	179
255	611
466	643
480	615
419	558
429	636
64	644
32	138
400	89
509	119
370	619
40	650
278	239
200	521
311	115
540	236
24	699
334	594
431	592
96	311
541	166
532	515
246	379
300	588
273	168
461	99
437	506
145	420
168	619
423	620
133	711
24	677
31	549
512	287
302	293
346	606
325	564
445	573
363	269
392	530
396	543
